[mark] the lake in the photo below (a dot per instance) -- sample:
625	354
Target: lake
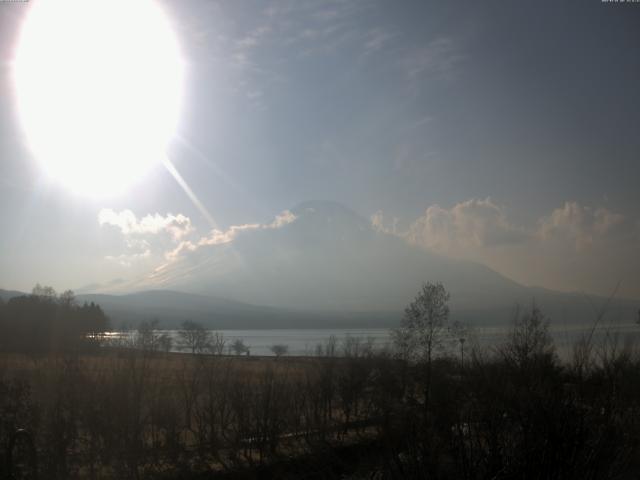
303	342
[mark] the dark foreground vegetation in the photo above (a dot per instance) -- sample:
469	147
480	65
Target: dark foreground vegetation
514	412
47	322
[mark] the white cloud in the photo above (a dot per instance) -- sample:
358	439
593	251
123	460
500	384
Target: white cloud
574	247
475	224
145	236
282	219
220	237
177	226
142	242
580	225
137	244
380	223
470	224
128	259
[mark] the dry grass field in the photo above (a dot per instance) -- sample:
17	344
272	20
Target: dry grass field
135	413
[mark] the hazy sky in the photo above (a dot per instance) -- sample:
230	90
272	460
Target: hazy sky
504	132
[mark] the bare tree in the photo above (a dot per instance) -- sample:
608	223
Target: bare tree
194	337
351	346
425	323
67	298
279	350
147	336
423	329
217	343
165	342
329	348
529	341
238	347
44	292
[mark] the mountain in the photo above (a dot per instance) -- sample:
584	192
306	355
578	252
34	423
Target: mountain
6	295
331	260
328	259
171	308
325	266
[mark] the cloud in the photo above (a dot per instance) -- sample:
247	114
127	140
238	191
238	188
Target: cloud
376	39
581	225
380	223
217	237
474	223
440	57
142	242
252	39
377	221
243	48
128	259
144	237
284	218
220	237
482	224
177	226
304	29
573	247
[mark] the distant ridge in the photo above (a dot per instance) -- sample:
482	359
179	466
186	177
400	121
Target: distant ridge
171	308
6	295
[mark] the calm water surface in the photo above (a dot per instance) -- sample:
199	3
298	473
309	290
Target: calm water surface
304	341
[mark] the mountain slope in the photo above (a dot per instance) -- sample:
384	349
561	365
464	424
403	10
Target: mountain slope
6	295
171	308
330	259
327	268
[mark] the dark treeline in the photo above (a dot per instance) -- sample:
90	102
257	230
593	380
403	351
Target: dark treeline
514	411
47	322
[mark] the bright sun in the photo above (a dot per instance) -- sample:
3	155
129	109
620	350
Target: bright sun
99	85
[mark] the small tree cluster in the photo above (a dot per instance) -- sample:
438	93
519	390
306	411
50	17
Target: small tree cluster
45	321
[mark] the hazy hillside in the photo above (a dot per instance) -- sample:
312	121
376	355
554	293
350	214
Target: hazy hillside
171	308
6	295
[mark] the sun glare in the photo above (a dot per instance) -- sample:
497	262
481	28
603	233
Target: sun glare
98	88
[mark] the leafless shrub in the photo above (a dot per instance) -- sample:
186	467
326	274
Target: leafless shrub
279	350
